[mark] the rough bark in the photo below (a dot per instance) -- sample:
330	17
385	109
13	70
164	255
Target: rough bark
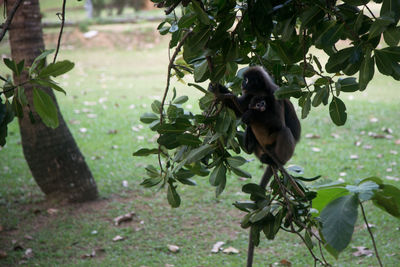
53	156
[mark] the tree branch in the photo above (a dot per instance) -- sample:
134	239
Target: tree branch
61	30
10	16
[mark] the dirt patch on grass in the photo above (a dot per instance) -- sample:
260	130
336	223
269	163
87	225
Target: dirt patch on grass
126	39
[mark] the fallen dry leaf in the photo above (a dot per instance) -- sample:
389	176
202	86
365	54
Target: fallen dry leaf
315	149
373	119
52	211
82	130
124	218
393	152
91	255
367	147
285	263
114	147
397	142
362	251
230	250
28	237
392	178
370	225
91	116
389	170
173	248
28	253
125	183
387	130
357	143
354	157
3	254
118	238
336	136
113	131
312	136
217	246
169	265
342	174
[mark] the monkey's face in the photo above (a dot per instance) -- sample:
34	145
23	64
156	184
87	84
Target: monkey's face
258	104
252	84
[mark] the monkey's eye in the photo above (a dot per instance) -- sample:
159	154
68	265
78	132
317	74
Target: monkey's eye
245	81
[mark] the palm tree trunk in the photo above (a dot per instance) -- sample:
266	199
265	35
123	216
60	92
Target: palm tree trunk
53	156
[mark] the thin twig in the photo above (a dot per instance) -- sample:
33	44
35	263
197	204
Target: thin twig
170	66
316	259
61	30
172	8
9	19
370	11
370	233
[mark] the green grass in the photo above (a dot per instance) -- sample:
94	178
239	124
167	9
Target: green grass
122	78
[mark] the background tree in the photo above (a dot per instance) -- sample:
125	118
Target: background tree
52	154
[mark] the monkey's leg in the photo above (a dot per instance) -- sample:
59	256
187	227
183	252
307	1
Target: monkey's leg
263	183
284	147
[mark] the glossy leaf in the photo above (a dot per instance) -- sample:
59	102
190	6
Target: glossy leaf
173	197
388	199
56	69
338	220
218	175
337	111
145	152
148	118
347	84
45	107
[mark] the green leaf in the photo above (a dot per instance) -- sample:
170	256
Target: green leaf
327	195
189	140
169	140
392	36
364	190
45	107
173	197
245	205
388	199
148	118
322	93
220	188
201	15
56	69
199	153
306	107
223	122
254	189
347	84
48	83
379	26
11	64
337	111
367	70
152	171
21	96
391	8
288	91
339	60
187	20
200	73
150	182
240	172
156	106
218	175
236	161
383	62
311	16
181	100
261	214
145	152
43	55
338	220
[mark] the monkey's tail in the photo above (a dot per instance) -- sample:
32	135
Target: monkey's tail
263	183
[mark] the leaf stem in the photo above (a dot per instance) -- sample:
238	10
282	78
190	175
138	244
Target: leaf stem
370	233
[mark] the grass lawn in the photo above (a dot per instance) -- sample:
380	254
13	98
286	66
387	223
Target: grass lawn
109	88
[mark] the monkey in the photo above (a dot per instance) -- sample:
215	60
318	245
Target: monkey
258	83
267	124
272	125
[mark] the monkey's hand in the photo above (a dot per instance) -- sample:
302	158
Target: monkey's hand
247	116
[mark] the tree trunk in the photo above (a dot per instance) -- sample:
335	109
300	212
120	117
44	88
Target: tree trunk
53	156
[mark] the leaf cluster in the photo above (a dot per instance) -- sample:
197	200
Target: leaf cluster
13	97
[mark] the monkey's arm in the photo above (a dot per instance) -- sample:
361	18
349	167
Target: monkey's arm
230	100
